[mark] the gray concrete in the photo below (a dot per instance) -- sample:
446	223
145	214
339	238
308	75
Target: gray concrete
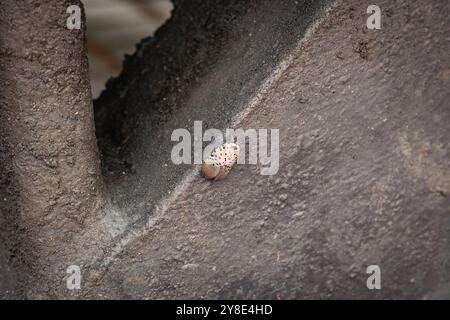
364	158
364	174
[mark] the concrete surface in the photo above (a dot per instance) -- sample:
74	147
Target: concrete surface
364	159
51	185
364	173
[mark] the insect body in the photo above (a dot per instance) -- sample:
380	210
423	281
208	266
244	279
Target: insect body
222	159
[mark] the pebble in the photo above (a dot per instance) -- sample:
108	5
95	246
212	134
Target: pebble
298	214
190	266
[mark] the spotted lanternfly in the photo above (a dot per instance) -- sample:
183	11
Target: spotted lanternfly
222	159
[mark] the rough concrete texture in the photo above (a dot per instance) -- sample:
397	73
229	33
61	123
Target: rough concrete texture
51	187
364	156
204	64
364	173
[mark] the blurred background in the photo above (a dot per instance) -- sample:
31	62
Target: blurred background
114	27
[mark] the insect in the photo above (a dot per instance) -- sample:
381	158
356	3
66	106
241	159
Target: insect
222	159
